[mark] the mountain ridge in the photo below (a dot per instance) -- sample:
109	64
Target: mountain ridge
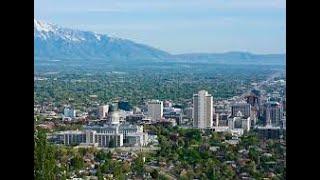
55	42
52	41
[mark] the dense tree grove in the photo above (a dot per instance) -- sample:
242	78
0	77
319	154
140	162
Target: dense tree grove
177	82
61	162
189	151
44	157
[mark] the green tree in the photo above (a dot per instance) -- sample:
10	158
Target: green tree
138	165
118	171
101	155
155	174
254	155
77	162
44	157
99	174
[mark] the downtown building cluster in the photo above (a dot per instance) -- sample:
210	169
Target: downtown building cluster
117	124
109	131
239	115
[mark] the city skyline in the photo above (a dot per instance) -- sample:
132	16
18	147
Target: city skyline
178	26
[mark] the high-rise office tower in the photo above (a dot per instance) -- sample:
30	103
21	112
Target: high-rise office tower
284	104
202	110
273	113
244	108
188	112
253	100
155	110
103	111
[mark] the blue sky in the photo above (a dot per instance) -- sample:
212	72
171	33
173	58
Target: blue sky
178	26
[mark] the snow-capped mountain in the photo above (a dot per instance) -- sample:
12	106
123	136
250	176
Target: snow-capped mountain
54	42
46	31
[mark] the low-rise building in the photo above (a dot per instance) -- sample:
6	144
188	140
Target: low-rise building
108	135
89	137
239	122
69	112
269	132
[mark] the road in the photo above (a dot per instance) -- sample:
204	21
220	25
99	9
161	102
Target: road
133	149
258	86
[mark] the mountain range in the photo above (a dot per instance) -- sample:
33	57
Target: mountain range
52	42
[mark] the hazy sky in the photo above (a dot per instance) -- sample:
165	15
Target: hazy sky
177	26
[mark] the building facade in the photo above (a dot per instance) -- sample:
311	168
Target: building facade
270	132
244	108
273	113
240	122
109	135
202	110
188	112
90	137
69	112
103	111
124	105
253	100
155	110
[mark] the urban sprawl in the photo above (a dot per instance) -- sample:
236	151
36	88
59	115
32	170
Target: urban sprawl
126	132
